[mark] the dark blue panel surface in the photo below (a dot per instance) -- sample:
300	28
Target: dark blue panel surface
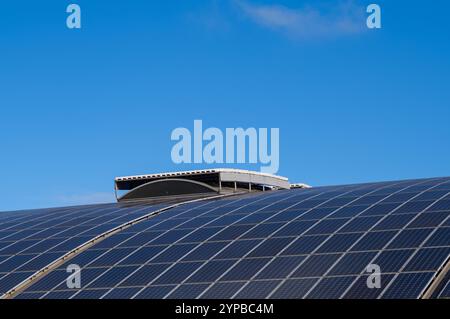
408	286
313	243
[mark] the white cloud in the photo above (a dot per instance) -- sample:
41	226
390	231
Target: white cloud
335	19
85	199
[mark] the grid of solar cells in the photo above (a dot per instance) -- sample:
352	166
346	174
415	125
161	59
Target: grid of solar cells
30	240
313	243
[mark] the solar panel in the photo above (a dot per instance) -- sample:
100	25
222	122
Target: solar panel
222	290
360	224
245	269
393	260
205	251
339	243
173	253
121	293
373	240
441	237
154	292
395	222
293	288
431	219
271	247
90	294
408	286
361	290
330	288
177	273
188	291
352	263
428	259
327	226
316	265
144	275
211	271
111	277
303	243
410	238
280	267
32	247
257	289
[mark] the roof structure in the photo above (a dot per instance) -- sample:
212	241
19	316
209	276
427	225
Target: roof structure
293	243
198	183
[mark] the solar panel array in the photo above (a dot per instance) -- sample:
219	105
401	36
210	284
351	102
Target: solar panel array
313	243
30	240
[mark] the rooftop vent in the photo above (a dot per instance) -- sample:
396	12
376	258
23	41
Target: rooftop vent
196	183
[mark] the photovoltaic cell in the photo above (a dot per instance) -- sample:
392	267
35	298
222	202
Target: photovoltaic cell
441	237
352	264
295	228
173	253
154	292
410	238
262	230
280	267
237	249
327	226
393	260
121	293
177	273
394	222
141	255
339	243
360	224
111	277
374	240
413	207
294	288
211	271
432	219
188	291
428	259
222	290
331	288
258	289
144	275
90	294
380	209
349	211
271	247
363	288
443	204
316	265
205	251
408	286
304	245
245	269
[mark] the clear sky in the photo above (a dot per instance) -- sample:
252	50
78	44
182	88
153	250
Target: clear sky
79	107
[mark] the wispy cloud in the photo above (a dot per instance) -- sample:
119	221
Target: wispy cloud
85	199
337	18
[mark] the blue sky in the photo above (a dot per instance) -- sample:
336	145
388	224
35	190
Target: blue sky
79	107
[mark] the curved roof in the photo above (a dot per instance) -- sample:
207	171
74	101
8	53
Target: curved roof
168	187
299	243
